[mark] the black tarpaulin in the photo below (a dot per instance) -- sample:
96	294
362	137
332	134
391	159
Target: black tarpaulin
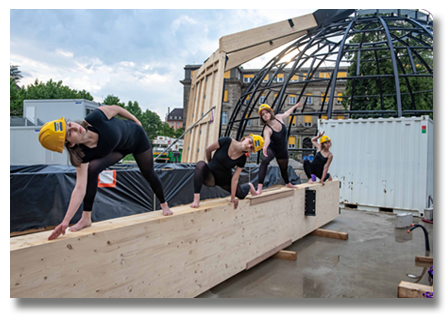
40	194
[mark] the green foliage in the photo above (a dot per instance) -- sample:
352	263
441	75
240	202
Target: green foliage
373	88
112	100
15	73
40	90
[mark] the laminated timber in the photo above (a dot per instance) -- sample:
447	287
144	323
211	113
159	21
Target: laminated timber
149	255
207	84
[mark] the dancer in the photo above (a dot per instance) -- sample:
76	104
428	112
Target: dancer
275	143
229	153
321	162
94	144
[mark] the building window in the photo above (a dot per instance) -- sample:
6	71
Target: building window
262	99
249	122
322	99
226	95
292	142
248	78
295	79
292	120
224	118
307	120
266	78
279	78
292	99
309	99
339	98
227	74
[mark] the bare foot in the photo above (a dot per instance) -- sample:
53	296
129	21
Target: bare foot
260	188
83	223
310	181
196	199
289	185
166	210
252	190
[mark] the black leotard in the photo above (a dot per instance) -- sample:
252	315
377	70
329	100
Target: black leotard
278	148
219	170
114	135
221	164
279	141
316	166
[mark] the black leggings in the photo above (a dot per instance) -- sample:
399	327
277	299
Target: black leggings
309	170
282	164
145	162
204	176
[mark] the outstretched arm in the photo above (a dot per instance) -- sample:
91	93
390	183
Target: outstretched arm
113	110
288	113
76	199
234	186
326	167
267	140
314	140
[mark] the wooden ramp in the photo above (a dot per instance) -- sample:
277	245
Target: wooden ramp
149	255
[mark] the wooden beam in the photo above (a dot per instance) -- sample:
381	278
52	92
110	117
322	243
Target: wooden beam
412	290
330	234
151	255
424	259
268	196
252	37
245	55
267	254
287	255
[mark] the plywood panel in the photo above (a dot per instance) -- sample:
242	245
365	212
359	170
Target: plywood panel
248	38
149	255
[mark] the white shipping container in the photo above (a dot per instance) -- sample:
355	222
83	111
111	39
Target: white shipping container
383	163
25	148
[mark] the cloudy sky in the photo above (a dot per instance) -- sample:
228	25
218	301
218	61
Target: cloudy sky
137	55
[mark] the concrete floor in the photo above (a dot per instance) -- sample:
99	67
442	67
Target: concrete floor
370	264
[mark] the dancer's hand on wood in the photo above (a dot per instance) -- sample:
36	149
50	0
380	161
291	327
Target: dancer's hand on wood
235	202
58	230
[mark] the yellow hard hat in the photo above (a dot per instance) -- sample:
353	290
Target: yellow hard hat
258	142
52	135
263	107
324	139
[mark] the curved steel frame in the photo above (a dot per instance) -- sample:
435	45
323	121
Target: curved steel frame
332	43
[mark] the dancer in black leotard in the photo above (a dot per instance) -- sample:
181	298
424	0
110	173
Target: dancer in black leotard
229	153
275	143
94	144
321	162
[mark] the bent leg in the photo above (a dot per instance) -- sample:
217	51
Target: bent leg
145	162
202	175
307	168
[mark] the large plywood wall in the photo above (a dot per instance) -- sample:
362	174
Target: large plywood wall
208	81
149	255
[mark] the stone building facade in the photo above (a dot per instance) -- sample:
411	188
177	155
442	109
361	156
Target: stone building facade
303	127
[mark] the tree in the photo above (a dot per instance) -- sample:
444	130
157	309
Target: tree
179	132
112	100
166	130
151	123
386	86
14	73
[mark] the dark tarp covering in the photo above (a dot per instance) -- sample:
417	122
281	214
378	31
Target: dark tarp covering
40	194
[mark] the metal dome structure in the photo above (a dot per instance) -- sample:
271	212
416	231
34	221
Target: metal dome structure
388	54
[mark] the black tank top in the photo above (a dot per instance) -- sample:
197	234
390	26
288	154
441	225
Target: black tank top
279	139
114	135
221	164
318	163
